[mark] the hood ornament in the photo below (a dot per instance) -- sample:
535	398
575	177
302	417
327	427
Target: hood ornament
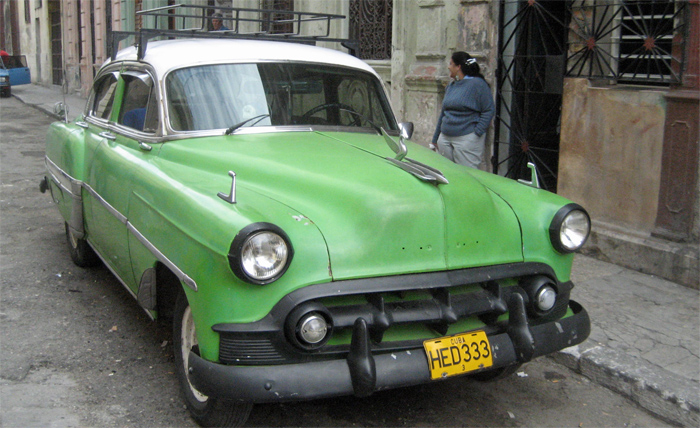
420	170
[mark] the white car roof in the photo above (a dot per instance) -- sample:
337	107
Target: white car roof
170	54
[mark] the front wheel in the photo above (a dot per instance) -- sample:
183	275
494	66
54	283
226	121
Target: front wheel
206	411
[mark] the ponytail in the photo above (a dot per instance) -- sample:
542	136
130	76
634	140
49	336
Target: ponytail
467	64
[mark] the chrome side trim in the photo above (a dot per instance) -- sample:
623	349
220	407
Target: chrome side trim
121	281
121	217
162	258
72	187
67	183
58	176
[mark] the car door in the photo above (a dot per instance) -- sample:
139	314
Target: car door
117	118
19	72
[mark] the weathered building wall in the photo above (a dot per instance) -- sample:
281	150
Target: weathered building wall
36	46
610	158
610	161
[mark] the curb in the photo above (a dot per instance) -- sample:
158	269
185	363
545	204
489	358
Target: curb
664	394
39	108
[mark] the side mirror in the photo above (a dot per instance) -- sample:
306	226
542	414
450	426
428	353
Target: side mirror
406	129
61	110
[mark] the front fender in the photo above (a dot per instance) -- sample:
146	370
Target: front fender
194	228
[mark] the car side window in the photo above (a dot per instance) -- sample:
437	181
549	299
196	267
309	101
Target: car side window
17	61
139	109
105	89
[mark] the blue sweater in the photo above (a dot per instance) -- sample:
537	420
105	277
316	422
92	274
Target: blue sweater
467	107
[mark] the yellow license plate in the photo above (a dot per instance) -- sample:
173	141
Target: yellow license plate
462	353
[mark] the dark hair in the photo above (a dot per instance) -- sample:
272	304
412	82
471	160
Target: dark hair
467	64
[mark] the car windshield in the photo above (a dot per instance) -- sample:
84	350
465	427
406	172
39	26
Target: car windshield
279	94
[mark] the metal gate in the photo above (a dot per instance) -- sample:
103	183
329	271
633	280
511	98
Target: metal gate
627	41
532	51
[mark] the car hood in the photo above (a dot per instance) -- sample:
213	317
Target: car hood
376	219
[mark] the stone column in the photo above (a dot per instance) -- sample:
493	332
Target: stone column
677	215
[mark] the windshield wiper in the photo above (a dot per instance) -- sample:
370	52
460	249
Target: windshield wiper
238	125
375	126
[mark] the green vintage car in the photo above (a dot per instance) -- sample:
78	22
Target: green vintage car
263	197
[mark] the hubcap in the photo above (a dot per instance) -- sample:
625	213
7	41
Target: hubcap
188	339
73	240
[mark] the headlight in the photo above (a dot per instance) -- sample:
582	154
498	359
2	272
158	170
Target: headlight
260	253
570	228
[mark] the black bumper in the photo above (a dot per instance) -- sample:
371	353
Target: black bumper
363	373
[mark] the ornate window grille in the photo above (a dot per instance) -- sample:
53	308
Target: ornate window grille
628	41
370	24
274	22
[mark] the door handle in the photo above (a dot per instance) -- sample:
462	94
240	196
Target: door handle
107	135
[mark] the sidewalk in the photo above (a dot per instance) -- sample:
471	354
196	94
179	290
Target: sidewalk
44	98
645	333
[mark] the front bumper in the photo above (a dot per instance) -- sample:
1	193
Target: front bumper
362	373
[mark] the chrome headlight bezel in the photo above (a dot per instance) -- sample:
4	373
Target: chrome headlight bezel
570	228
245	254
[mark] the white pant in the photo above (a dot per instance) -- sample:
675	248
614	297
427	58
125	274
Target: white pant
466	150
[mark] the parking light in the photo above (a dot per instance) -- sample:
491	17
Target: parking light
541	294
309	326
545	298
312	328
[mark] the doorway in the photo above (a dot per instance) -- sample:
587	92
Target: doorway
530	80
56	42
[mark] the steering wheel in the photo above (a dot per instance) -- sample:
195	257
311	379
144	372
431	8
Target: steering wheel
357	117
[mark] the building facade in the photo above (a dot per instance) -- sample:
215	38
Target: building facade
600	95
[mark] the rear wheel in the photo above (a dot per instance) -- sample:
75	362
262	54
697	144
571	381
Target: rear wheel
208	412
80	251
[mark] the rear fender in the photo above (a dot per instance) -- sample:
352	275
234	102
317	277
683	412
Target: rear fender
65	148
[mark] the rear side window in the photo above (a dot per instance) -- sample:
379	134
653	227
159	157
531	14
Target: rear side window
103	100
139	109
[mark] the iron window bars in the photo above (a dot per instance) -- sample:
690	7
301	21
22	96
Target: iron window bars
628	41
182	20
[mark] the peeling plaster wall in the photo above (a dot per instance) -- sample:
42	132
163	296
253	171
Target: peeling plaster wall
34	45
610	153
426	33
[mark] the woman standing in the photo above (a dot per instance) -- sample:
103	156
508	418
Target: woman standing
467	110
